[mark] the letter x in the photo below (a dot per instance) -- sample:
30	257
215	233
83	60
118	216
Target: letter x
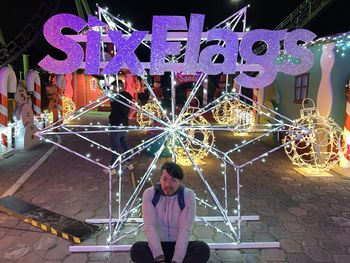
125	52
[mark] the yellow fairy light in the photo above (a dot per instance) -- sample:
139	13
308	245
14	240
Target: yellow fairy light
197	151
68	107
320	148
244	118
224	112
233	112
153	109
47	116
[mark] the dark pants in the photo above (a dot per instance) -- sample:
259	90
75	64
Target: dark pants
197	252
118	139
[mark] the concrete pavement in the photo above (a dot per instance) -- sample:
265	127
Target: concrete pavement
310	216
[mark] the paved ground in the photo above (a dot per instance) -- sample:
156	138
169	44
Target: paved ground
310	216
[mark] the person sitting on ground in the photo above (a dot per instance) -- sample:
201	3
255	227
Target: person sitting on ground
169	210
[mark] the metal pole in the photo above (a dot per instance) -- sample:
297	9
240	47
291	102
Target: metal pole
225	182
110	205
238	204
173	106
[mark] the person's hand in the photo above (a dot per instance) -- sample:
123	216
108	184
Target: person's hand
159	258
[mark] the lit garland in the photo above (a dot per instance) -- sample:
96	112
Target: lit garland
342	42
342	45
321	148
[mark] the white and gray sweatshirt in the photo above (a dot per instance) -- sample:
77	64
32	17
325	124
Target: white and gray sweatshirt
166	221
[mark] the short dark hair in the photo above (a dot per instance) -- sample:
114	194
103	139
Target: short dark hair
120	83
173	169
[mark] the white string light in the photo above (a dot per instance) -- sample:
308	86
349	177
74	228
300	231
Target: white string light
182	129
321	148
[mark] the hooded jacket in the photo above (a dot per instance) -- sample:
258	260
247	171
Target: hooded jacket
166	221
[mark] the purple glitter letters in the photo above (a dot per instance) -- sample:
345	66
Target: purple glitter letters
227	46
53	34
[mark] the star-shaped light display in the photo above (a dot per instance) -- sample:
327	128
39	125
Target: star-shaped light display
176	130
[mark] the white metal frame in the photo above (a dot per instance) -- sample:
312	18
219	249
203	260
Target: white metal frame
170	130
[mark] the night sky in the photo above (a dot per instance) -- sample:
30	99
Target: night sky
261	14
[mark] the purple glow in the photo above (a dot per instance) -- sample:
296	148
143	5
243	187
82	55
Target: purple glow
160	47
93	21
52	33
194	60
125	53
193	43
93	47
272	39
291	47
229	52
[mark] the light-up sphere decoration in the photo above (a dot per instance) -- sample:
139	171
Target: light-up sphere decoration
153	109
234	113
224	113
68	107
197	151
320	147
244	119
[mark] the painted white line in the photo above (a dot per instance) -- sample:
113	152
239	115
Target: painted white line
224	246
28	173
198	219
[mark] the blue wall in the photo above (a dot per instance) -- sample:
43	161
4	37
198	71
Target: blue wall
284	85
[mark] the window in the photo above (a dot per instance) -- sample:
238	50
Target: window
301	87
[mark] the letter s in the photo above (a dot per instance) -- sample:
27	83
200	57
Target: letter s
298	52
53	35
269	73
